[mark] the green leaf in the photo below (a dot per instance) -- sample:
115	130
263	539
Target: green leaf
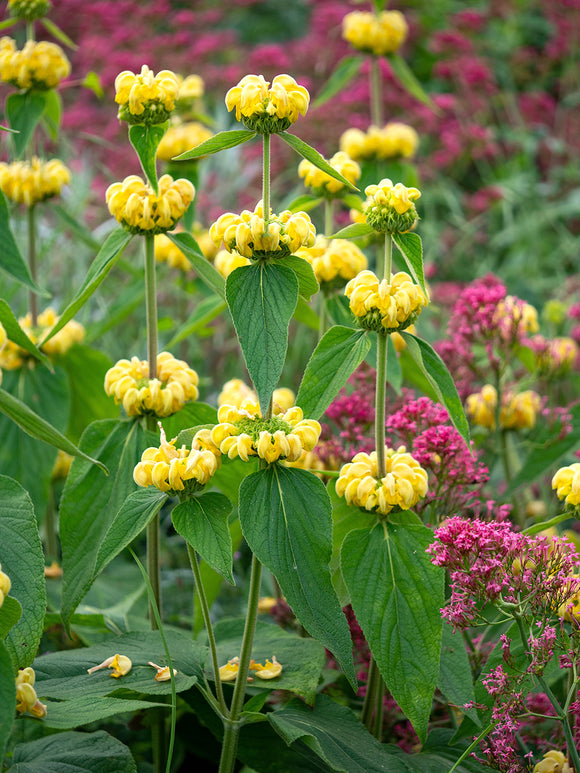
17	335
396	593
312	155
305	203
63	675
394	370
7	23
56	32
405	76
145	140
353	231
455	680
538	528
92	81
435	370
79	230
191	415
339	352
52	114
90	501
379	5
344	72
24	111
11	261
303	313
262	298
9	616
286	520
7	696
218	142
23	562
205	312
65	715
335	734
411	248
339	311
307	282
202	521
130	520
74	752
108	255
302	659
201	265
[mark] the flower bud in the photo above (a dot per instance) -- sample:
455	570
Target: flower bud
264	110
146	98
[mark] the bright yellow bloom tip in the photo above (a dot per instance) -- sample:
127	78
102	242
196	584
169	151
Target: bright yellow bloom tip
385	306
518	410
553	762
5	585
322	183
119	665
39	66
28	182
373	33
229	672
146	98
26	698
167	252
566	482
135	205
163	673
182	137
395	140
390	208
334	261
264	110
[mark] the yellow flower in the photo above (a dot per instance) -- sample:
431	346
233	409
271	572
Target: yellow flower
515	318
146	98
553	762
243	432
62	465
229	672
175	469
270	670
119	665
395	140
3	337
182	137
5	585
567	484
139	210
28	182
373	33
129	383
13	356
26	697
322	183
334	261
264	110
226	262
204	241
391	208
399	342
266	603
247	234
481	406
163	674
403	485
29	10
235	391
385	306
38	66
556	356
191	87
518	410
167	252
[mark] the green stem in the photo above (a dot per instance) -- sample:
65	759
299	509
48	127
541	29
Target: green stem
380	400
266	179
388	264
30	30
473	746
369	703
32	264
375	89
208	628
50	529
380	708
232	723
328	217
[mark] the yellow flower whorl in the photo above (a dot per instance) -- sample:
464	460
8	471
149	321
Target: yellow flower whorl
391	208
264	110
515	318
373	33
39	66
334	261
385	306
191	87
129	383
395	140
403	485
246	234
226	262
235	391
135	206
322	183
182	137
175	469
242	432
566	481
26	698
145	97
13	356
518	410
28	182
167	252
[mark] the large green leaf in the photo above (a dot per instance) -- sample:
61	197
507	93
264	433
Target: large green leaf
65	715
52	116
130	520
189	417
336	735
339	352
411	248
202	520
435	370
22	560
307	282
354	231
396	594
24	111
286	520
455	679
220	141
10	615
11	261
437	755
108	255
345	71
262	298
201	265
302	659
90	501
17	335
145	140
312	155
7	696
408	81
74	752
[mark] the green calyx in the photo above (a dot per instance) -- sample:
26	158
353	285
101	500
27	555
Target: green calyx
373	320
191	487
253	427
29	10
386	219
153	114
262	123
154	231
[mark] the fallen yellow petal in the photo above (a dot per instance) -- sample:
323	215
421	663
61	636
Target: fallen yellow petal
163	674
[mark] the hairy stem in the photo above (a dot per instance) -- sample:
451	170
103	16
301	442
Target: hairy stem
375	89
32	264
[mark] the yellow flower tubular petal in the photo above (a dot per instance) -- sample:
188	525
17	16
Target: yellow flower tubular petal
229	672
182	137
268	110
134	204
385	306
566	482
26	698
322	183
28	182
13	356
146	97
334	261
167	252
5	585
41	65
270	670
163	673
